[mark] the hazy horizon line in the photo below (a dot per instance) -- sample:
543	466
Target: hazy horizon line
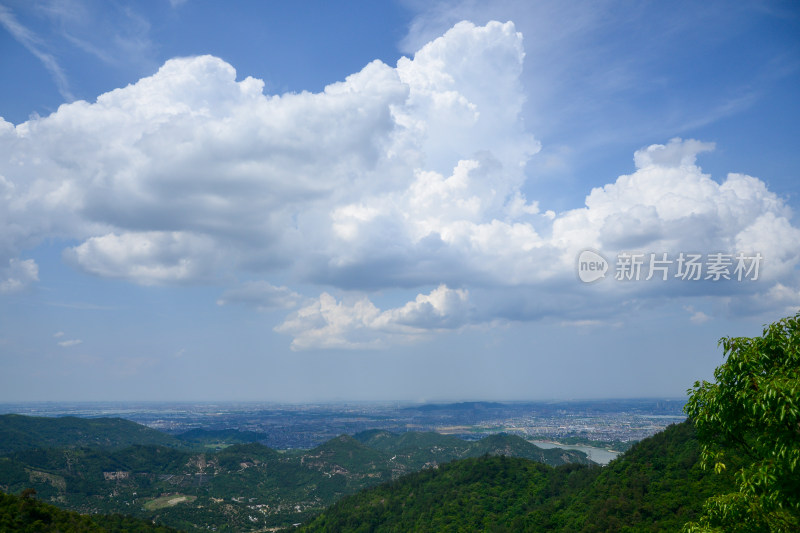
351	401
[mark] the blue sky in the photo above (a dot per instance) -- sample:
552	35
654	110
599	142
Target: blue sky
309	201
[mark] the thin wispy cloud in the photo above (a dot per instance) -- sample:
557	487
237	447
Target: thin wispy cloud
70	343
82	306
37	47
261	295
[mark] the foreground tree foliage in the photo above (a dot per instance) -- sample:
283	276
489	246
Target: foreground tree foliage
748	422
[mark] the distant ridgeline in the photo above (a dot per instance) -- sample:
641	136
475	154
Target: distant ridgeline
200	478
211	437
18	432
459	406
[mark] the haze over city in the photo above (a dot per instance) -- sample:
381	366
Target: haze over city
322	201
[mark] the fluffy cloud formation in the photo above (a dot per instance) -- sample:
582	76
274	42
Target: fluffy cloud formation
190	158
18	275
669	205
148	257
328	323
395	178
666	205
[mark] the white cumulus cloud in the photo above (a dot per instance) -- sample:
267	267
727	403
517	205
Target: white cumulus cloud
328	323
395	178
148	257
669	205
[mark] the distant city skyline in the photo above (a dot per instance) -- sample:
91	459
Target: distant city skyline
391	201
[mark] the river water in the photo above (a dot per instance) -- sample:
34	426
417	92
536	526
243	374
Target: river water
598	455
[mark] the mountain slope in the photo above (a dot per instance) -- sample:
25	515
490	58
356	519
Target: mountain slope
422	449
415	450
475	494
516	446
398	442
239	487
656	486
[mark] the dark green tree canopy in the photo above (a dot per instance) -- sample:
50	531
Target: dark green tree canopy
748	421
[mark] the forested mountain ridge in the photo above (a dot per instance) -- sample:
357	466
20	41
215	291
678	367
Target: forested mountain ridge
421	449
657	486
239	487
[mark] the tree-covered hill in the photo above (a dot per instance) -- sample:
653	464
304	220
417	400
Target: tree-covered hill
657	486
19	432
347	452
516	446
415	450
235	487
421	449
476	494
398	442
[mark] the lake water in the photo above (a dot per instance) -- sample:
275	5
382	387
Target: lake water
598	455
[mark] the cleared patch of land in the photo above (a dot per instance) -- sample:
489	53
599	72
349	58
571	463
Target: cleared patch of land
168	501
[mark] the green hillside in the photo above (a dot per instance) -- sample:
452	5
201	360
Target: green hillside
656	486
235	487
397	442
415	450
477	494
424	449
18	432
516	446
